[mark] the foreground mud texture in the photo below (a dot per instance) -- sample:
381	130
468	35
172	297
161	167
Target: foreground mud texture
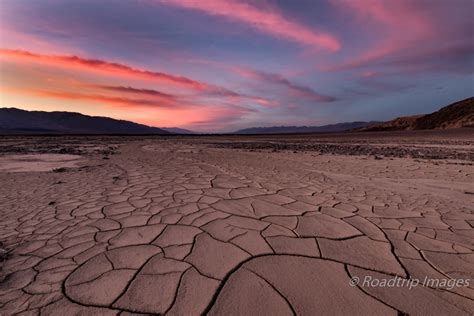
181	226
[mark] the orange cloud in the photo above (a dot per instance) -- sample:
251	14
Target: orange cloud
97	65
266	21
109	100
151	112
102	66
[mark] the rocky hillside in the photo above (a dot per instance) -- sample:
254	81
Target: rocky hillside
456	115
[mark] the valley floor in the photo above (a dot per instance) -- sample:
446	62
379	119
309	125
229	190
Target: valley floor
189	225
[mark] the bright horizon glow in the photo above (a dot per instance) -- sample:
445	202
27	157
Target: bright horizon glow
219	66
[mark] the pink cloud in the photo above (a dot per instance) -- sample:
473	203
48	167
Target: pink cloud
266	21
368	74
397	26
265	102
399	15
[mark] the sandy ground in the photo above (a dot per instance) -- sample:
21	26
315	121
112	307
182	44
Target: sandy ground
185	226
38	162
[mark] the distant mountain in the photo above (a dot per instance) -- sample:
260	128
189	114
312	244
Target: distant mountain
177	130
15	121
456	115
340	127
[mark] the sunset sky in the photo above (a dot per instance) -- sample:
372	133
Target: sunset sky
222	65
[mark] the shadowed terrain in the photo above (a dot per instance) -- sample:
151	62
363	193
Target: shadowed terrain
340	127
456	115
15	121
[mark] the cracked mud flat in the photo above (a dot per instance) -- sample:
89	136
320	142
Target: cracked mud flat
181	227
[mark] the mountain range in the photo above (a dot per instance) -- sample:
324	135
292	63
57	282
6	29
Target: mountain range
340	127
177	130
15	121
456	115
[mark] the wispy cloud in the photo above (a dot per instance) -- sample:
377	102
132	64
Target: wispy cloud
295	90
138	91
99	98
266	20
407	35
98	65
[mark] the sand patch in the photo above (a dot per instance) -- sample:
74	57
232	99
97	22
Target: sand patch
38	163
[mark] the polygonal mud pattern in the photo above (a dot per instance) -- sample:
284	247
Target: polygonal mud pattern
165	227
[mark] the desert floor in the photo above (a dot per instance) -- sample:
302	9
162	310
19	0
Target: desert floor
237	225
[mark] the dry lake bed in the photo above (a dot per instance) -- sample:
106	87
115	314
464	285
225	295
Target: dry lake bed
360	224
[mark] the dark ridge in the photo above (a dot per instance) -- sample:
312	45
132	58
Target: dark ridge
15	121
332	128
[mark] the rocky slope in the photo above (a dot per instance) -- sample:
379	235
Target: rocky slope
456	115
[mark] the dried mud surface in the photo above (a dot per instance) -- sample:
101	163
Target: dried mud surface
193	225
